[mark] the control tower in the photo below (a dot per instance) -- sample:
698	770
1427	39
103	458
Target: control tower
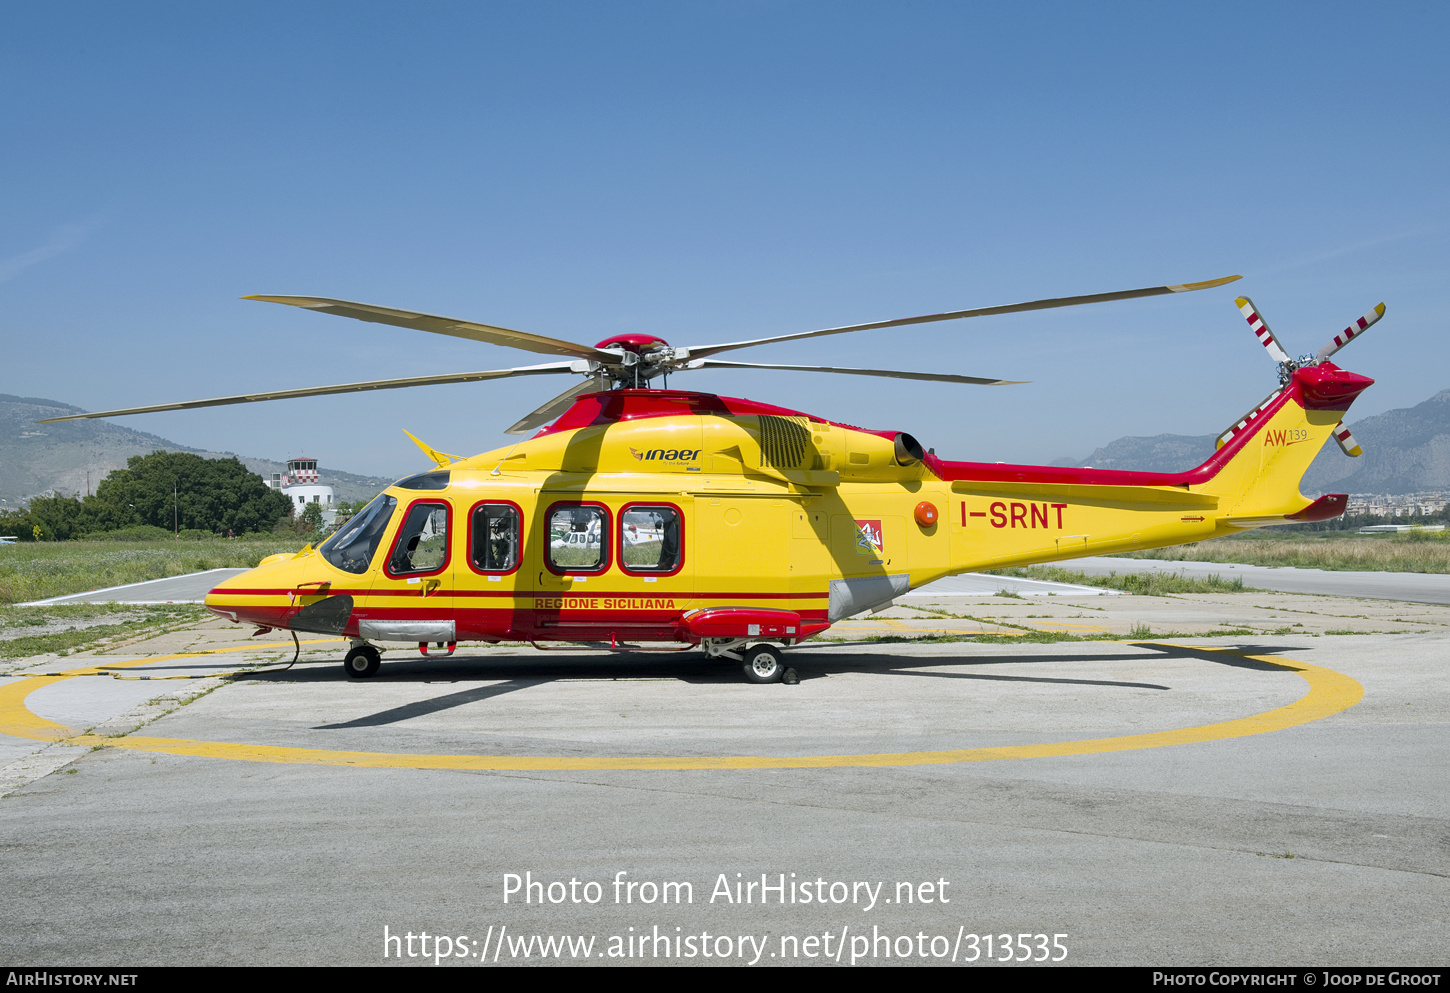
299	484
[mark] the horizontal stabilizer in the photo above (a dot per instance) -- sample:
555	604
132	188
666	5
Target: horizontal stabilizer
1329	506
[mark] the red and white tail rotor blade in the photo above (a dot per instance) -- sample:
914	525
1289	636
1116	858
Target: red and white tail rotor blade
1249	418
1261	330
1350	333
1347	444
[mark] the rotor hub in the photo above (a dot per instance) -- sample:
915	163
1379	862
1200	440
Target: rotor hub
633	342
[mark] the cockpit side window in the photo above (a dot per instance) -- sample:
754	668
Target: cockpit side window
495	537
354	544
422	542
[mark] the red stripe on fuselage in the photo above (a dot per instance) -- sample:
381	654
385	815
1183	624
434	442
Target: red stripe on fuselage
441	591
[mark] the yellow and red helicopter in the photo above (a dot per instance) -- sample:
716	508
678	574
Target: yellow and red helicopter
648	516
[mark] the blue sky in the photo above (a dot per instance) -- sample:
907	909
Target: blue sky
709	172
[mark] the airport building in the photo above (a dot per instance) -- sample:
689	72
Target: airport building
299	484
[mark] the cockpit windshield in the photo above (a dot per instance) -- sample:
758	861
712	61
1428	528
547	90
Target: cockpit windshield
352	548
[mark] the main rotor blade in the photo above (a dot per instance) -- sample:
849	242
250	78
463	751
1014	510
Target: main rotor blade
707	350
887	373
1350	333
317	391
543	415
487	333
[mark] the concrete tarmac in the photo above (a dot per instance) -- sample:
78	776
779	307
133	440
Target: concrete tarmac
292	816
1410	587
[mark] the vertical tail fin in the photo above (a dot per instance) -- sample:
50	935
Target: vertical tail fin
1259	481
1257	470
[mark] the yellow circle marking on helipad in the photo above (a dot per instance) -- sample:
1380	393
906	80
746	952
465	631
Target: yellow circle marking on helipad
1329	693
17	720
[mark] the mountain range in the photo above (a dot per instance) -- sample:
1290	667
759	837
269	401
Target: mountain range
44	459
1405	451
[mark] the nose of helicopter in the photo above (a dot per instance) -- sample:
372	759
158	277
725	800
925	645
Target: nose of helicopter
261	595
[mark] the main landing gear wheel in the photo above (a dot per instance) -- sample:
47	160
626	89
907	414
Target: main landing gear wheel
763	664
362	662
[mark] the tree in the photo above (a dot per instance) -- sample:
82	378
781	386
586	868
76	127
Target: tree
311	518
59	518
163	489
178	489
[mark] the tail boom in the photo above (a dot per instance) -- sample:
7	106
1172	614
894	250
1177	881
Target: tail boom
1252	480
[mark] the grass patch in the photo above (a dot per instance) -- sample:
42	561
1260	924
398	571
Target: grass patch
934	612
43	569
27	631
1142	584
1336	551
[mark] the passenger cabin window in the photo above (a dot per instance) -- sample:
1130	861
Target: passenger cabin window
495	537
422	542
649	539
352	547
578	541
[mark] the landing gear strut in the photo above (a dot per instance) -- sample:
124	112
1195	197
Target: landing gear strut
763	662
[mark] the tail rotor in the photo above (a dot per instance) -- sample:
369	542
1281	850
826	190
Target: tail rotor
1287	365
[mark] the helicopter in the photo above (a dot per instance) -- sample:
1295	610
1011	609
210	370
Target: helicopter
638	517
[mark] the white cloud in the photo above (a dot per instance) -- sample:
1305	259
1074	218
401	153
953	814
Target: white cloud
61	240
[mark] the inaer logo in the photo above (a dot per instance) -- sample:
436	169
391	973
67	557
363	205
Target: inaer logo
666	454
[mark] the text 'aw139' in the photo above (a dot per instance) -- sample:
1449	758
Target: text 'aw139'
638	516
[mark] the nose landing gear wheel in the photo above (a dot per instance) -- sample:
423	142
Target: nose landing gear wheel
763	664
362	662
